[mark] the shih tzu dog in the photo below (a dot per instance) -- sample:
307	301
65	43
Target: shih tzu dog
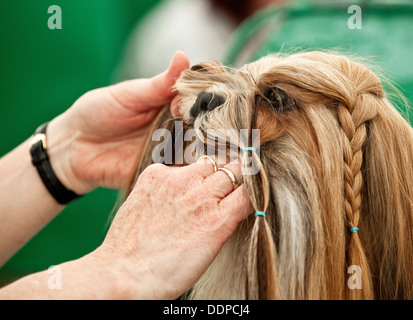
335	178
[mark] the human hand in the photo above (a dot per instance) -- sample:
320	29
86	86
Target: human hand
98	140
172	226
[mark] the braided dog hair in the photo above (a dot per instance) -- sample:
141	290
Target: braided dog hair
335	179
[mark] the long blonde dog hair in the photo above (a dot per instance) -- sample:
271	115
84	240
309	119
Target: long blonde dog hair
335	155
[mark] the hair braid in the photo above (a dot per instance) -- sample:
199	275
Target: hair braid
353	138
353	113
262	262
354	134
262	282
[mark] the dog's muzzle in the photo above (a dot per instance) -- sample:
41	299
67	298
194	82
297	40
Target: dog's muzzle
206	101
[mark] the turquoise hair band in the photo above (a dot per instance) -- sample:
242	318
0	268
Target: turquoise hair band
354	230
260	213
249	149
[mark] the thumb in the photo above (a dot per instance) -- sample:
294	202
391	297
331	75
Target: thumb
179	63
144	94
160	86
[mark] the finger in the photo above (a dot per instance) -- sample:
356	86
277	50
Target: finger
161	85
222	182
237	205
174	106
203	167
144	94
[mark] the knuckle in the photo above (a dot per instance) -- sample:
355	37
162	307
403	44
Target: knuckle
211	218
152	175
152	171
215	192
205	207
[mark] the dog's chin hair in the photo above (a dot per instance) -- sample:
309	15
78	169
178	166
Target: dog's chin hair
223	282
226	277
293	240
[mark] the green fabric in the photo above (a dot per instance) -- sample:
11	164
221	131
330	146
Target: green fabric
43	72
386	37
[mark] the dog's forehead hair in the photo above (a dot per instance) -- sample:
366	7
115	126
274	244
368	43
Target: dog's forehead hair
259	67
244	78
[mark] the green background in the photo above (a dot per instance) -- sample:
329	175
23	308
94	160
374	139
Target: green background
385	39
43	72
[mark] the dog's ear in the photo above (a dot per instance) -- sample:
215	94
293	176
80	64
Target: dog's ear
388	209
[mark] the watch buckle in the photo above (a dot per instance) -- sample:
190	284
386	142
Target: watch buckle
39	137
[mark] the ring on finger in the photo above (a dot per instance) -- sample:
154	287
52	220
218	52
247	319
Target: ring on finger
214	164
231	175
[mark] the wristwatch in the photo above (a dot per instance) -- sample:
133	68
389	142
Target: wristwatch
40	159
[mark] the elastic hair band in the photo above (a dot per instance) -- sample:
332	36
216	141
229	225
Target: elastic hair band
260	213
249	149
354	230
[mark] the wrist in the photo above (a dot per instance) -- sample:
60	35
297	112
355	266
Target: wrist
122	276
105	276
60	141
136	278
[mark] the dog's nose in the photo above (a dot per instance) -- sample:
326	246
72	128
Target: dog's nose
206	101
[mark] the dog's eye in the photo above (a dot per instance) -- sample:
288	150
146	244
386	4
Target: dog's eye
278	99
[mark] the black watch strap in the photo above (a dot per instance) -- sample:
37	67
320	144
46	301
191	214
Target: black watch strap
40	159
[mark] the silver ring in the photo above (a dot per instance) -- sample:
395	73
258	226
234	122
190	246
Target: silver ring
214	164
231	176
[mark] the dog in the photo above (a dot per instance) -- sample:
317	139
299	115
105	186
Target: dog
335	178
